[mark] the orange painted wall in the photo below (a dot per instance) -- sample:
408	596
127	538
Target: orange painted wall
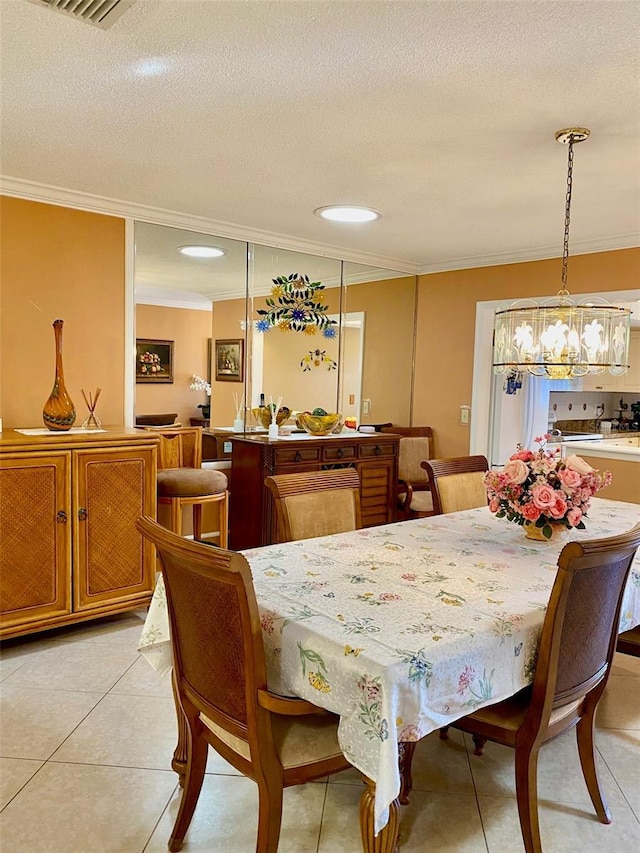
389	308
68	264
446	326
189	331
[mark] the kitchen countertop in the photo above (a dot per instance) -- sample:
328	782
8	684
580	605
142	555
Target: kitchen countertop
607	448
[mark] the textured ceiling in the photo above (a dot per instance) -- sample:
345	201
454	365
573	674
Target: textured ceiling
165	276
439	114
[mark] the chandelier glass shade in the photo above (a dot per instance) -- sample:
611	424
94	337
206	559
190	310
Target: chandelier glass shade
558	338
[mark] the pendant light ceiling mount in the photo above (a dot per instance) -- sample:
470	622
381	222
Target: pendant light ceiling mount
558	339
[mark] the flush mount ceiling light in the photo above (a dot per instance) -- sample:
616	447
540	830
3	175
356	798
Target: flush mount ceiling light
347	213
559	339
201	251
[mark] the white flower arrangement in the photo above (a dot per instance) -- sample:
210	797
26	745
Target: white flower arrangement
200	384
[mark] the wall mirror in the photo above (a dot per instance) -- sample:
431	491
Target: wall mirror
184	298
355	356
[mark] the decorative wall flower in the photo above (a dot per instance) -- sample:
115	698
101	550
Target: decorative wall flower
316	358
294	306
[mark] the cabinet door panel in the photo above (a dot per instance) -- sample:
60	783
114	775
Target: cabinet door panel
112	489
377	490
35	537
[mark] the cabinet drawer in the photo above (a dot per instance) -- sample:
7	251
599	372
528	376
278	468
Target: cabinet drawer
289	455
379	449
335	454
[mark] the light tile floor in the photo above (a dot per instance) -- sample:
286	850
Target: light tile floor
87	731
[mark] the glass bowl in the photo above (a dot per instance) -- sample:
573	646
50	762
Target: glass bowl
318	424
262	414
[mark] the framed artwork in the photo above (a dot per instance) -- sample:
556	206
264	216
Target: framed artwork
154	360
229	360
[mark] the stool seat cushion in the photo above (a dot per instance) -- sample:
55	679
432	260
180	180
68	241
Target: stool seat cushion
190	482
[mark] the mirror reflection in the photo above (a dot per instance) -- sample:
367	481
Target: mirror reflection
259	322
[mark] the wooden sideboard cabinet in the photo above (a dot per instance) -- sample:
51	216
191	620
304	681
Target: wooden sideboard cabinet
252	518
69	549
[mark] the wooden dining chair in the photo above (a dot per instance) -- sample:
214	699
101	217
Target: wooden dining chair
221	685
416	446
182	481
574	660
316	503
456	483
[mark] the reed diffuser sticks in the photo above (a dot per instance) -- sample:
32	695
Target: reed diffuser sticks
91	421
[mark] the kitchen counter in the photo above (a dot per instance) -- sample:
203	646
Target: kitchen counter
611	454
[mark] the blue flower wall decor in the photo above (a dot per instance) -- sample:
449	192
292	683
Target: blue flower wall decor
293	306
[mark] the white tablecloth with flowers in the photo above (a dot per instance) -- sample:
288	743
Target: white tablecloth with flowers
403	628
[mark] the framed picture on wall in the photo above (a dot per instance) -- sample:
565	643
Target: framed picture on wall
154	360
229	360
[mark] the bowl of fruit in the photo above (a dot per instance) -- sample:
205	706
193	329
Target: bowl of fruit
319	422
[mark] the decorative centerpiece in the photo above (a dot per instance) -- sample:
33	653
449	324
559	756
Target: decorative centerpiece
318	424
263	414
542	492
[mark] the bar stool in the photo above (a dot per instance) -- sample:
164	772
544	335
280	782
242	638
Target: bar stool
183	482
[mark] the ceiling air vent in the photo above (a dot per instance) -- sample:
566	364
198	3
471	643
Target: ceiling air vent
100	13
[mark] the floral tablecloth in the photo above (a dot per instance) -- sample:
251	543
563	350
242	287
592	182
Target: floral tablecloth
403	628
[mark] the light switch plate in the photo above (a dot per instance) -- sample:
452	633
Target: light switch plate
464	414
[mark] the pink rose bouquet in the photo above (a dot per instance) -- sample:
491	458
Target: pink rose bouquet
538	487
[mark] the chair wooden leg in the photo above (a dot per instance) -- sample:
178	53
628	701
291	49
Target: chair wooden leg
196	766
405	755
197	522
223	521
176	516
269	816
527	796
479	743
585	732
387	839
180	753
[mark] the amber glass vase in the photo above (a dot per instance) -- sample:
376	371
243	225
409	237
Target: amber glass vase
59	413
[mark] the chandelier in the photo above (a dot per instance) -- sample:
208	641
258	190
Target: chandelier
559	339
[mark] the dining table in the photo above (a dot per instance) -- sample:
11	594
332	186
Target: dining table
404	628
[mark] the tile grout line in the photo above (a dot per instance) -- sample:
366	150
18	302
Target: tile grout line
613	776
162	814
475	792
322	811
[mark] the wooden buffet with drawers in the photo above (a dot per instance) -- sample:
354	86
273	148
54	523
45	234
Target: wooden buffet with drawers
69	549
252	519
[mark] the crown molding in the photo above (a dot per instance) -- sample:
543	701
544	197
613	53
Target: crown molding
578	247
33	191
165	298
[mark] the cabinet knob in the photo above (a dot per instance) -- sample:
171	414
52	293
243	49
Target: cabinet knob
298	456
378	450
340	453
61	517
83	514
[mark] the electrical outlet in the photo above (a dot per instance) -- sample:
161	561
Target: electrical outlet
366	407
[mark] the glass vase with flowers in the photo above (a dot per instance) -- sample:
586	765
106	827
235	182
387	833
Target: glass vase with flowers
543	492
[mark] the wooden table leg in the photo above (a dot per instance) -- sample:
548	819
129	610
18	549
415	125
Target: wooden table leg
179	761
405	758
387	839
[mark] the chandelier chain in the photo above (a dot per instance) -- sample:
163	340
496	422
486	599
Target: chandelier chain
567	220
